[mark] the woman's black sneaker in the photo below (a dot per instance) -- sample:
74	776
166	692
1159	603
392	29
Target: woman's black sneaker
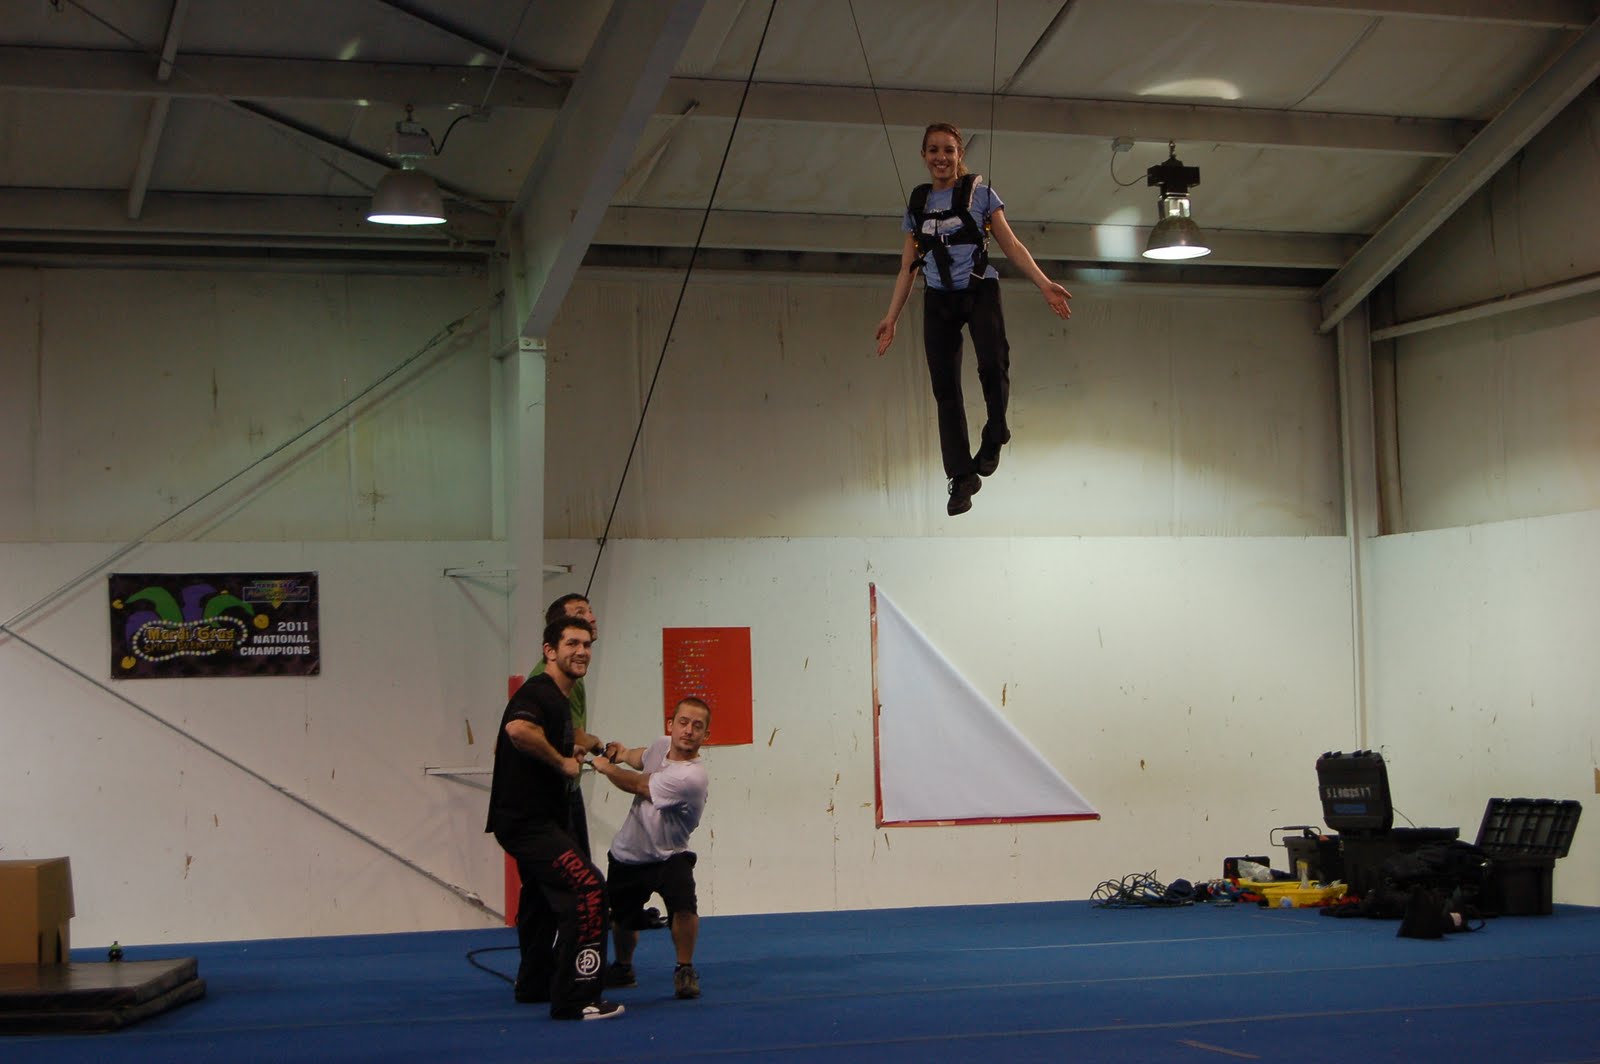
962	489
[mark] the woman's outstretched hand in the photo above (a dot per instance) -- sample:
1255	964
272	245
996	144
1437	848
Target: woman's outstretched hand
1057	297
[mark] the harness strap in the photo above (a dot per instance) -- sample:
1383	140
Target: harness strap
936	245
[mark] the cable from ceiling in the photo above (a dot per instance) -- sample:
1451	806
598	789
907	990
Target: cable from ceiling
501	65
994	69
482	110
882	121
1118	146
705	217
994	64
994	92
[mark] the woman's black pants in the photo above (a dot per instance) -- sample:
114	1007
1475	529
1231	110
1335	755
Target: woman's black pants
977	307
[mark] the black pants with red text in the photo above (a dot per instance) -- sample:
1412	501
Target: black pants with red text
561	916
943	314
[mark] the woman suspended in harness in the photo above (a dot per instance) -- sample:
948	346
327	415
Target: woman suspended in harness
947	226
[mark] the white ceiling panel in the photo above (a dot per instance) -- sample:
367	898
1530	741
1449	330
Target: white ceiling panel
1429	68
1185	52
49	141
103	24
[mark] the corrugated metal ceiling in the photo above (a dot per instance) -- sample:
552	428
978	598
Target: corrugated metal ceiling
1313	121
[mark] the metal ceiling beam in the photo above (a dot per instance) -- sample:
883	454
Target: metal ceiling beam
1107	119
852	234
583	161
455	192
1552	14
460	33
234	78
156	123
650	158
89	72
1457	180
43	215
1041	45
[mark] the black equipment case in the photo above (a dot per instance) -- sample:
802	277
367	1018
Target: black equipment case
1354	789
1523	838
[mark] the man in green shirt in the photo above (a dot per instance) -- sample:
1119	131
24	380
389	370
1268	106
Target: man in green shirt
576	605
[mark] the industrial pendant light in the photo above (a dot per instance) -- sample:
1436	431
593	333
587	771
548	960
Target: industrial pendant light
1175	235
407	196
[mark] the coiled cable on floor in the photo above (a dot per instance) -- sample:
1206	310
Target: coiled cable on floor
1140	890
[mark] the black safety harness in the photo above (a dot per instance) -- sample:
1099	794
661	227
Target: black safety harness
937	244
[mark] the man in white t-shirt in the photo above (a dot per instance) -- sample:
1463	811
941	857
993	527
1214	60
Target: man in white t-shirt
650	853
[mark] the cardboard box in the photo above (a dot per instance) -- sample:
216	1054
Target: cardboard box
35	906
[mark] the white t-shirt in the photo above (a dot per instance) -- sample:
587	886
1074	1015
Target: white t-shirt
659	826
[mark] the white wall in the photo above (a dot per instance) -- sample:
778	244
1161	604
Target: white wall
1481	650
1153	412
125	395
1184	686
1154	588
1485	670
169	841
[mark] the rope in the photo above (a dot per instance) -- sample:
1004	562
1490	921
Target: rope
472	959
994	67
705	217
882	121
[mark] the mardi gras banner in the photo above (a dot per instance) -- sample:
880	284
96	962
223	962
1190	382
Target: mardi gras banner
166	625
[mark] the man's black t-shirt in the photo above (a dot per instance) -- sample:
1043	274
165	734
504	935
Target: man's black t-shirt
525	788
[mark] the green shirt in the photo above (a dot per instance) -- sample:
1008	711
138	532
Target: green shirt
580	712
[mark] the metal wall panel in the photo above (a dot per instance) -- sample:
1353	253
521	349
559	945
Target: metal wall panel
148	389
1497	418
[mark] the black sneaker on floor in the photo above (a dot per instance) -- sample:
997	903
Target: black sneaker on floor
619	976
686	982
600	1010
962	489
526	996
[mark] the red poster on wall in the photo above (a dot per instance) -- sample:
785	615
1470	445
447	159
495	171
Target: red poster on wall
712	664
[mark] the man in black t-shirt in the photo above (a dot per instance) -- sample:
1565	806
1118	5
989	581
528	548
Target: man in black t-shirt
561	914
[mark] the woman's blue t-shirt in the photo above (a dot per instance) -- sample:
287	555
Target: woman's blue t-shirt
984	203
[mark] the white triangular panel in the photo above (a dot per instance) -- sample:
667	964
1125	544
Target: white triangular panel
946	754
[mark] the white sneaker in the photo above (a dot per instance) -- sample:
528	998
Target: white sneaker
600	1010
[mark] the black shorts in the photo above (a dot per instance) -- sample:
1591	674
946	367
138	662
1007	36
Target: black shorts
629	886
